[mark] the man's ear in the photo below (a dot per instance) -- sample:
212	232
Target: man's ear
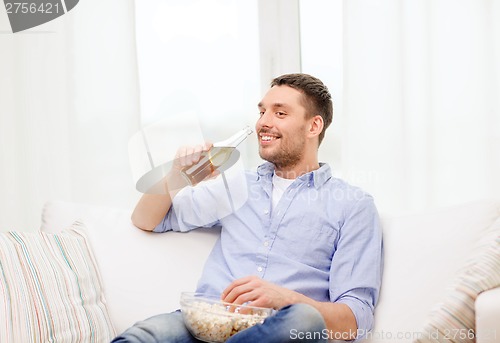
316	126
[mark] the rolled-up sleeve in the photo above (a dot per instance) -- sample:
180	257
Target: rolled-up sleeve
190	210
206	203
357	264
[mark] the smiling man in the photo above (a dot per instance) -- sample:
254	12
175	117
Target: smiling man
304	243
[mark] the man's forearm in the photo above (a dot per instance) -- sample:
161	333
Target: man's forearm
152	208
339	318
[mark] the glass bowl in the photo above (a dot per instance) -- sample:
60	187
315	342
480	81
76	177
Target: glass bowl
211	320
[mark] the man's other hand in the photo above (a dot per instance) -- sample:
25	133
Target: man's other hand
257	292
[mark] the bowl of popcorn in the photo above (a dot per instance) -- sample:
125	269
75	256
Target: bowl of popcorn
211	320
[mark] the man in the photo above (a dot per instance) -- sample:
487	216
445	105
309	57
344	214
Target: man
304	243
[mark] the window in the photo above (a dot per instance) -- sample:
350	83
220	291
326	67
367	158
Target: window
213	58
201	56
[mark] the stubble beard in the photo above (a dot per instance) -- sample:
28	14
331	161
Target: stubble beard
287	154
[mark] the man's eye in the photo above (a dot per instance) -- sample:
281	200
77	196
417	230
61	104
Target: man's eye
261	113
281	113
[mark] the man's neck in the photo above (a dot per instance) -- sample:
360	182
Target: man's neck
293	172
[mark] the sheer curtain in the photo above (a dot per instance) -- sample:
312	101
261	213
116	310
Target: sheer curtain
68	105
421	101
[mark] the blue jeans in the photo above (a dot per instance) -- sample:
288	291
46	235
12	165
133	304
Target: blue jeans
293	323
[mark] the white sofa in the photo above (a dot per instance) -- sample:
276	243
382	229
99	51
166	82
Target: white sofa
144	273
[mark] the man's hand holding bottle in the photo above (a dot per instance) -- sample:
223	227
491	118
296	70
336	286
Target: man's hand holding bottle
185	158
201	162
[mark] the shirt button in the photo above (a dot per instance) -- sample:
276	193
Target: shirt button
259	269
266	211
266	243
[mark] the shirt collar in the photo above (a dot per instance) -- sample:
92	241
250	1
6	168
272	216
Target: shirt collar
265	169
317	177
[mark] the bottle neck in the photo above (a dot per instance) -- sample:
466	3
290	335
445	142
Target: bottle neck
235	140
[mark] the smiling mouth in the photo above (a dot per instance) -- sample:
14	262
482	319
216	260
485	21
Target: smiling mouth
267	138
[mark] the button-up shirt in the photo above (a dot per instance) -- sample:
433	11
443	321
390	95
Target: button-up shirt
323	239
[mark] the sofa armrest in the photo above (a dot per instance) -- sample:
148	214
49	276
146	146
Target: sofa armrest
487	316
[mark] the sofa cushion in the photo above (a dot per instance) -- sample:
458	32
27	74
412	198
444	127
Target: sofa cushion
423	254
50	289
454	318
143	273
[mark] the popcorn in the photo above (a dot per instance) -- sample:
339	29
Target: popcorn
215	322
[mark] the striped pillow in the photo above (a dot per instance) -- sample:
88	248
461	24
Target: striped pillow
453	320
50	289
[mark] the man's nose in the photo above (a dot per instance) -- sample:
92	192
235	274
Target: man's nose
265	119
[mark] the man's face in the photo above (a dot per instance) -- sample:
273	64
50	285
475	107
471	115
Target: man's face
281	128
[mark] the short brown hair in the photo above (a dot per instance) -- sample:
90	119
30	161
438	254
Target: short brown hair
318	100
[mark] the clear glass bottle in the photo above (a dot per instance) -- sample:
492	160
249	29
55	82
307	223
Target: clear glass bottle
214	158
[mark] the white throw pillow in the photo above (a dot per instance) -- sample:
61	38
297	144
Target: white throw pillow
50	289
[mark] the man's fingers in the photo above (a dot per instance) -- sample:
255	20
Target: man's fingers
233	292
207	146
195	157
239	295
186	160
236	283
188	155
180	157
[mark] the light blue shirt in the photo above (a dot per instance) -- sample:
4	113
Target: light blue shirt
323	239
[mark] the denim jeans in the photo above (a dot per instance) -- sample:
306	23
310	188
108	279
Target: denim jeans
293	323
